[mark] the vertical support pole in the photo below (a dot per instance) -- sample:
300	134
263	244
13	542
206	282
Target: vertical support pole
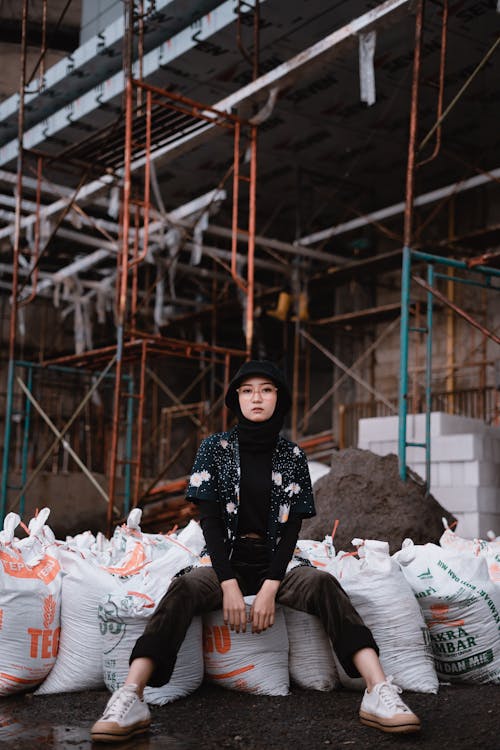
6	440
428	378
403	361
140	419
227	361
342	426
236	188
408	226
251	239
15	257
296	379
450	321
124	260
128	446
24	461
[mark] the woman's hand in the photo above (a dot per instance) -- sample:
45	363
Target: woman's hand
264	606
233	605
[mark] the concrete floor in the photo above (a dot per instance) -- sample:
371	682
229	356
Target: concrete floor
460	717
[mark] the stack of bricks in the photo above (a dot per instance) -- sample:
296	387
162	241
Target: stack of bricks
465	464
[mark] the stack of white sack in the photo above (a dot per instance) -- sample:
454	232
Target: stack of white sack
386	603
123	617
30	596
489	549
248	662
461	607
86	583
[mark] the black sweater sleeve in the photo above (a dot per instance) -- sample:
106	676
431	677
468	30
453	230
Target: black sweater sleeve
213	530
285	549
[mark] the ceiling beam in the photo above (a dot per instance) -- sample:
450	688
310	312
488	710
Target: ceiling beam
113	87
398	208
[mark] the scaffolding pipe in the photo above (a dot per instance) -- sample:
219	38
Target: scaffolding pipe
408	225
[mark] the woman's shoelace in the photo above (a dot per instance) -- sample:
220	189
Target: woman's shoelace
119	706
389	693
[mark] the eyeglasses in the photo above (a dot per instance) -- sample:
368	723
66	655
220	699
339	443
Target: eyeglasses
248	391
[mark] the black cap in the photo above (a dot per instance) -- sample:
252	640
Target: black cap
258	367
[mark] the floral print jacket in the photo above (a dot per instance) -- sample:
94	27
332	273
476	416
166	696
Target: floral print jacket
216	475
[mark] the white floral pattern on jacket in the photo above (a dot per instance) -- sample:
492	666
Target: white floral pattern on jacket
216	472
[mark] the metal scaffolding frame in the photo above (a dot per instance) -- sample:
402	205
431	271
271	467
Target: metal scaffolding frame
160	124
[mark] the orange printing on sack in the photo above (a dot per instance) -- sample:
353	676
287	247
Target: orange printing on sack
44	644
150	602
218	637
46	570
49	610
135	562
19	680
1	618
439	615
494	570
227	675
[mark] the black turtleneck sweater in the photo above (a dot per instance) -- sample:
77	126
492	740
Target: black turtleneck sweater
255	495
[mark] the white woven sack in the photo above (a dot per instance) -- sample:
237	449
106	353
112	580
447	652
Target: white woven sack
310	656
79	662
385	602
249	662
490	550
30	596
461	606
123	619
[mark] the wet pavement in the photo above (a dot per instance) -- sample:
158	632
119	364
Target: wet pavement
460	717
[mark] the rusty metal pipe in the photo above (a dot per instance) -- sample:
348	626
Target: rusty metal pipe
442	63
410	172
19	187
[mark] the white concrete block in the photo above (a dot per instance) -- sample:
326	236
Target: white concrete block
496	451
444	474
468	447
378	428
489	499
481	473
453	424
468	525
457	473
464	499
457	499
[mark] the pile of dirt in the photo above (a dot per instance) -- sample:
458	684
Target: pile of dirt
365	492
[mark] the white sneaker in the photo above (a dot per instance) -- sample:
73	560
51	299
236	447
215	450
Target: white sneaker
125	715
383	709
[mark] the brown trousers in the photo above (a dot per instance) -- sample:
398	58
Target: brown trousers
199	591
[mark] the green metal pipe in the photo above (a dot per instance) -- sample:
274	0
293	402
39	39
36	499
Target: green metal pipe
403	362
428	378
488	270
467	281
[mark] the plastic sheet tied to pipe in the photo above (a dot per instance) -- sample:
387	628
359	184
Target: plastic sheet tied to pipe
367	43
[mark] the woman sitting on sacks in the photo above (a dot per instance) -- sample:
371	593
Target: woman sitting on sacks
252	488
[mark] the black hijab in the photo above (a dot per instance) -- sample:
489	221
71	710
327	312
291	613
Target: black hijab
259	437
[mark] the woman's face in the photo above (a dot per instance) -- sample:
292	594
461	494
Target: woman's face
257	397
